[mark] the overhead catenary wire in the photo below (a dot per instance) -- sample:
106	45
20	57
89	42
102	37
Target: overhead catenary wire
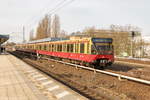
32	20
57	7
61	6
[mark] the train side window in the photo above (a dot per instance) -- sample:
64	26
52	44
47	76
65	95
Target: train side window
52	47
49	47
67	47
45	47
60	47
40	47
82	48
77	48
63	47
36	47
57	47
71	47
88	48
93	51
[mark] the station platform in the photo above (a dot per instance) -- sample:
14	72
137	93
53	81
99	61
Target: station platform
13	85
19	81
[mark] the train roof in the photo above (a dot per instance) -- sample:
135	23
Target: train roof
47	40
102	40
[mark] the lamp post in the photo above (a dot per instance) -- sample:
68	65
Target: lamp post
132	38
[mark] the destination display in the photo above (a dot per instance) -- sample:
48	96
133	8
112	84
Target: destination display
102	40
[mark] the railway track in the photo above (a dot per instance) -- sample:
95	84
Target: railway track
119	76
91	91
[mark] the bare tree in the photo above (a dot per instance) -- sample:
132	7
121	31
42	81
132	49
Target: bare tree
44	28
63	34
89	31
55	26
39	32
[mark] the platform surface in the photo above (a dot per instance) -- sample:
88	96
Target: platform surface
20	81
13	85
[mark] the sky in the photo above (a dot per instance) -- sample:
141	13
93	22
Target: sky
79	14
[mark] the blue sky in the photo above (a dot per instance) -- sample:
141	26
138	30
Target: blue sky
75	16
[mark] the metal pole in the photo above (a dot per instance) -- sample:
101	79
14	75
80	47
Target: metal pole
131	47
23	34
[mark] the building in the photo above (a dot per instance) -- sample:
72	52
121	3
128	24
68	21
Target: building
3	38
146	46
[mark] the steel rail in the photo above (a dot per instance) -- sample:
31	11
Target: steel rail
106	72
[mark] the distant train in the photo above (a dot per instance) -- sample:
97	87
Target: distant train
97	52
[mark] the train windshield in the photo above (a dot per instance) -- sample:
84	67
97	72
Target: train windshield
104	49
102	46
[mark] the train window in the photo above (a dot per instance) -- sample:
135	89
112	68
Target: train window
71	47
36	47
40	47
77	48
64	47
82	48
44	47
60	47
52	47
57	47
93	50
67	47
88	48
49	47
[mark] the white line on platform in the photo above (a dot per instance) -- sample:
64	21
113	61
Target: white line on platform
53	88
34	73
46	83
39	75
31	71
64	93
40	79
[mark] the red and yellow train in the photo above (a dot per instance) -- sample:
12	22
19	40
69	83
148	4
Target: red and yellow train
89	51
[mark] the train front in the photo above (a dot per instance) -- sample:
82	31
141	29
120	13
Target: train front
103	49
